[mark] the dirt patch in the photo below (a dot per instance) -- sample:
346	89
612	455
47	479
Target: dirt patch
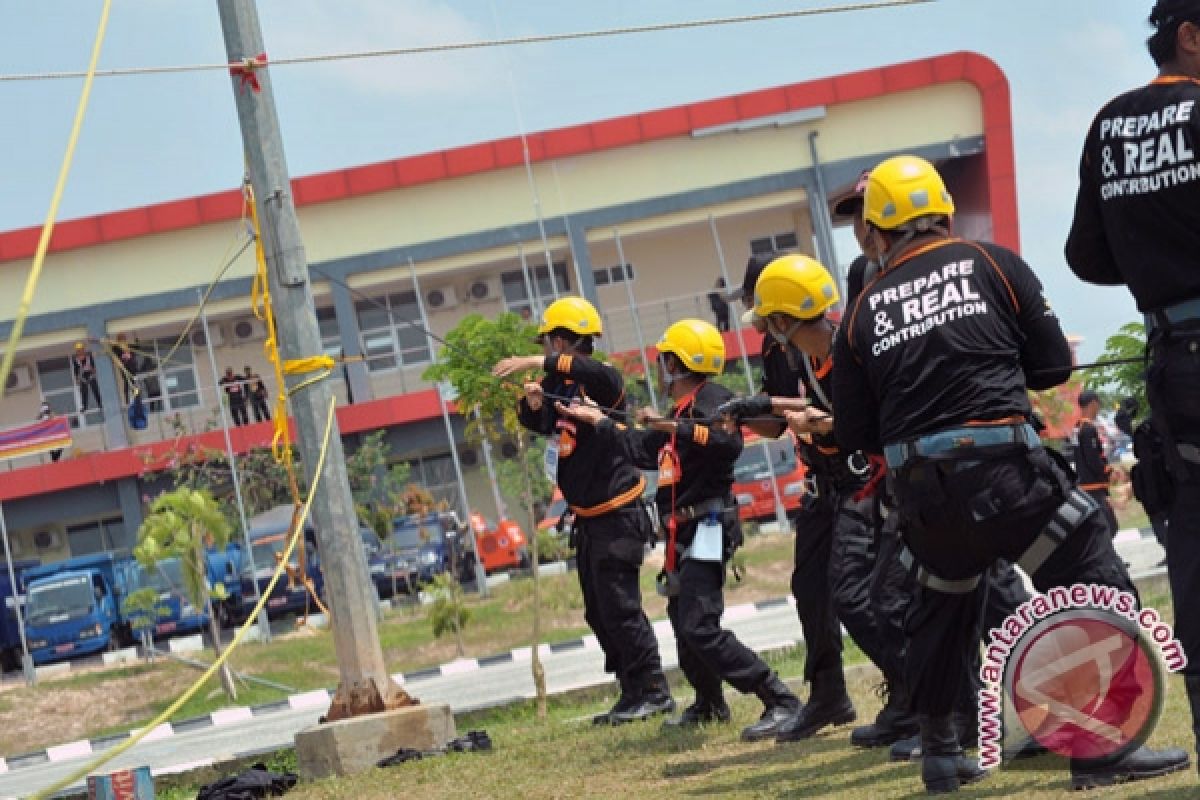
34	719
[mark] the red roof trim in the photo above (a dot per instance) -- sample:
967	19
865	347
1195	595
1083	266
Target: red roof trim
579	139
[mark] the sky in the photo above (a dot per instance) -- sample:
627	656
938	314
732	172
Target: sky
149	139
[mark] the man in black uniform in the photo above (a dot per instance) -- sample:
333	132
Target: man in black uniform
1091	465
695	499
1137	224
235	392
933	367
834	529
604	489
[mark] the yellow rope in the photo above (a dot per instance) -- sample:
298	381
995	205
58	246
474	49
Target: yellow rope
39	257
294	537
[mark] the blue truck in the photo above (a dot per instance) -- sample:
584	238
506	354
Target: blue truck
176	613
10	632
74	607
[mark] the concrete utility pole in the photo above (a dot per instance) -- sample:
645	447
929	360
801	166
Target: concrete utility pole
365	684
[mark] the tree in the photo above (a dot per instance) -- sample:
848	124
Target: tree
472	347
514	473
183	524
1128	378
449	611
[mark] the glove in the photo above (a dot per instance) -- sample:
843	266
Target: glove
739	408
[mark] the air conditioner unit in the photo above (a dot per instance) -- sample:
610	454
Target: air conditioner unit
47	540
214	333
441	298
483	289
248	329
20	379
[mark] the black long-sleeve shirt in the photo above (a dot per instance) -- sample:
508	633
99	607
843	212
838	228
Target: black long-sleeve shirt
1137	214
1090	463
705	455
592	468
956	332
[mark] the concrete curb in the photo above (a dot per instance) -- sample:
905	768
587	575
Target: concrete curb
321	697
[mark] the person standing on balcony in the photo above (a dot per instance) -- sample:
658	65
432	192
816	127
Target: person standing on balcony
257	391
719	305
235	393
83	366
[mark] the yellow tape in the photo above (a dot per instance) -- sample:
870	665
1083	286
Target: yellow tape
39	256
294	537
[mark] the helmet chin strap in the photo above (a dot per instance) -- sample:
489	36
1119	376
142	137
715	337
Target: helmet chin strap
785	340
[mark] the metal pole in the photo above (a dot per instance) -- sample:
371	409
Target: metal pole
637	323
26	659
264	626
780	511
535	297
366	684
818	208
501	506
480	573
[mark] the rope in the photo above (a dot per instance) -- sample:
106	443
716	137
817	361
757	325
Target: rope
39	257
250	64
297	529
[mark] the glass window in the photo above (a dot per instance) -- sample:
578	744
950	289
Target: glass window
436	473
59	390
331	334
99	536
775	243
168	374
516	295
391	331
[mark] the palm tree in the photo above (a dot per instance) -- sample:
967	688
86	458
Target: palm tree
183	524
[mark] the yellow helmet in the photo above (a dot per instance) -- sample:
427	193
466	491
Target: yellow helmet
902	189
796	285
697	344
573	313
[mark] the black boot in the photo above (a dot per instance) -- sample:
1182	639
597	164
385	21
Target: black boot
1140	764
655	698
895	721
944	768
906	749
967	725
704	711
628	699
827	705
779	705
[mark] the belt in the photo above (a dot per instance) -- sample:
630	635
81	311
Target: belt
955	438
701	509
1173	315
625	498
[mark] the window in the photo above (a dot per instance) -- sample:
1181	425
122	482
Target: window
59	390
170	384
436	473
516	296
331	334
100	536
606	275
776	243
392	335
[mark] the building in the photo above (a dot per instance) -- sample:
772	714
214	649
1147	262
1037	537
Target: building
640	213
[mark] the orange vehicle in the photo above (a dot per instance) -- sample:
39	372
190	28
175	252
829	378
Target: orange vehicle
761	462
502	547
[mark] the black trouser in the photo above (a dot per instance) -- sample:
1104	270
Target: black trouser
261	412
1173	384
709	654
941	503
609	556
853	567
238	412
84	385
810	583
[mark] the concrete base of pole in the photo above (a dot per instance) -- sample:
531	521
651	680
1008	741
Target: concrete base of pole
355	745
